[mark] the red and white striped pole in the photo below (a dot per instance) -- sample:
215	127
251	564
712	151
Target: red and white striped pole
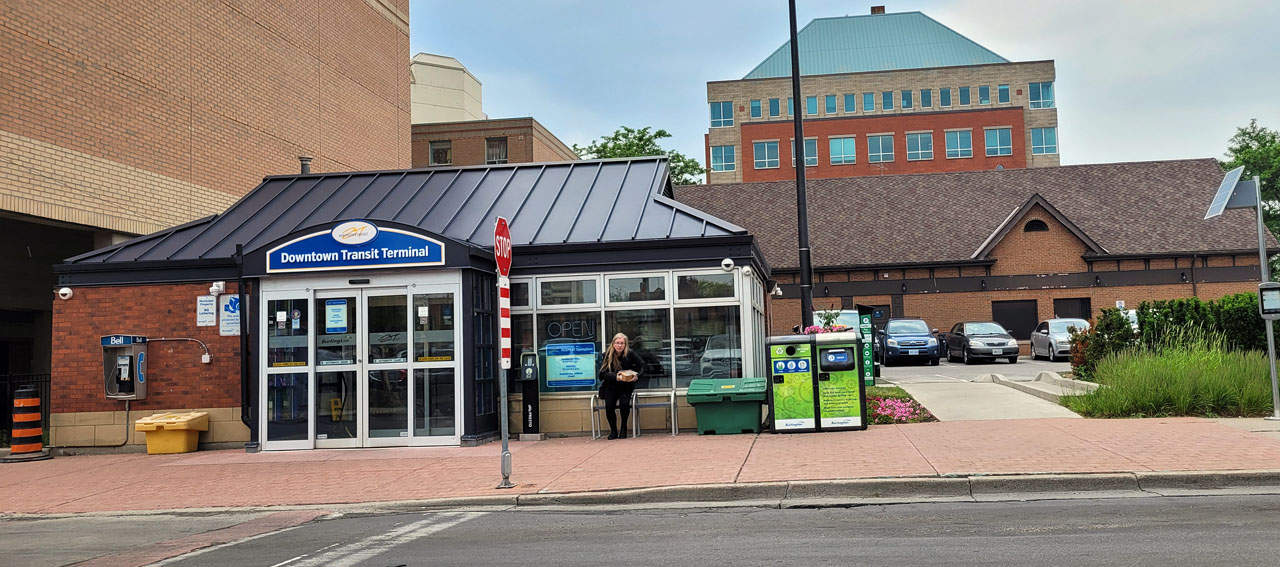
502	256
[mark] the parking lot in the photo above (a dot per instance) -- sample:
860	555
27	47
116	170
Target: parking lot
950	393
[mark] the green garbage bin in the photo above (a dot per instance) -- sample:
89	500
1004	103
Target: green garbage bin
728	406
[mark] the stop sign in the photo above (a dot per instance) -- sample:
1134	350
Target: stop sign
502	247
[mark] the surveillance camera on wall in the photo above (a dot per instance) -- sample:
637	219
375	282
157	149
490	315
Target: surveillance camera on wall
777	291
747	272
726	264
65	293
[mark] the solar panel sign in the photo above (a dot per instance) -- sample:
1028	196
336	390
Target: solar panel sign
1225	191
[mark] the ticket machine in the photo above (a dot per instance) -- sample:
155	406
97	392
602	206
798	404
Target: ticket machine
124	366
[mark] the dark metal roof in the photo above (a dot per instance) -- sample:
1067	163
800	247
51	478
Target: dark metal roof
596	201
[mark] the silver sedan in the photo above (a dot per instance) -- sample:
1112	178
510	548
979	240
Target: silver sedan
1052	338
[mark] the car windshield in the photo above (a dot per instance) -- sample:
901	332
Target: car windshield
719	342
848	319
897	327
1062	326
983	329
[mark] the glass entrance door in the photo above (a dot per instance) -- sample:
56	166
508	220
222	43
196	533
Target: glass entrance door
371	367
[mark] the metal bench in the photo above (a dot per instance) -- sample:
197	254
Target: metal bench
597	406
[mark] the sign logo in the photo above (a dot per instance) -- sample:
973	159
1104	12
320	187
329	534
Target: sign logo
354	232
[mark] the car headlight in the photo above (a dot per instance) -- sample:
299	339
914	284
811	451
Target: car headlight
892	342
932	341
977	343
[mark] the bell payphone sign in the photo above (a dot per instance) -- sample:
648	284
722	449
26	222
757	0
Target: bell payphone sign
355	245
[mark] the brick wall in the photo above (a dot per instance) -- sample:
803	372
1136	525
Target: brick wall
527	141
934	123
175	377
196	99
1016	75
1056	250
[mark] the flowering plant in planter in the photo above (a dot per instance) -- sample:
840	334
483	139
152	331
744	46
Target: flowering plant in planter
897	410
815	329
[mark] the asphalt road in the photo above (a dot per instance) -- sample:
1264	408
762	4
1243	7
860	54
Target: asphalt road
1217	530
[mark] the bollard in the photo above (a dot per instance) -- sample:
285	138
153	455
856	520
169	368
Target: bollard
26	442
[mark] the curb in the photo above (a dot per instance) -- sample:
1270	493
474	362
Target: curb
813	493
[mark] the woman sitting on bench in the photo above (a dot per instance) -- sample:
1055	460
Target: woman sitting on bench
617	394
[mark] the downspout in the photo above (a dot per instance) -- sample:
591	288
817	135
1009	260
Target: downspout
246	407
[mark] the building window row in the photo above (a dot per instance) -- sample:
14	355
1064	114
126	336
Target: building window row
1040	95
842	150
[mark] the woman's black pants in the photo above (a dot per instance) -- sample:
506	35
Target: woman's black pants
618	396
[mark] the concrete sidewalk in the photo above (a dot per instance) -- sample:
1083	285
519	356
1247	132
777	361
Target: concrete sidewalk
222	479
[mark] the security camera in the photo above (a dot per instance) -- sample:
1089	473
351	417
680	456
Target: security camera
777	291
726	264
747	272
65	293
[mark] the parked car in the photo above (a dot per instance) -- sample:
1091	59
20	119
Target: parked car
851	319
1052	338
908	340
980	340
721	357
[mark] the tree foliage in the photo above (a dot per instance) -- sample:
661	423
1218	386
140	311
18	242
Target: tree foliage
641	142
1257	148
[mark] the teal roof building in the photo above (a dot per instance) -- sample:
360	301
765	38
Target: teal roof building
876	42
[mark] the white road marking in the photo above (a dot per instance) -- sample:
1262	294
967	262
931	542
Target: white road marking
205	550
371	546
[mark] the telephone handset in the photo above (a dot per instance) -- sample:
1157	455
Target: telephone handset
123	363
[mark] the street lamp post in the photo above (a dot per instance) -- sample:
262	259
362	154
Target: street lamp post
802	207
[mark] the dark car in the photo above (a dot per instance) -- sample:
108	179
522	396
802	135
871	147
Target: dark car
980	340
908	340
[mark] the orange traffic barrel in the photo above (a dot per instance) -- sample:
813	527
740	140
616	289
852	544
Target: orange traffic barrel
26	442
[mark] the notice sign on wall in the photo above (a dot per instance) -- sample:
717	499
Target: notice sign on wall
229	315
571	365
335	316
206	311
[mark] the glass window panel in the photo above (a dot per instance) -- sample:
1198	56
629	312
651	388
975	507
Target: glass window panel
879	149
944	97
920	146
649	332
337	402
1003	93
926	98
287	332
389	403
336	338
704	286
886	100
906	99
964	96
766	154
774	105
959	144
521	342
647	288
811	105
850	103
441	152
722	158
433	327
810	152
568	292
1044	141
791	106
572	362
831	104
868	102
999	142
843	150
1041	95
388	339
520	294
755	109
721	114
287	408
433	402
495	150
984	94
713	338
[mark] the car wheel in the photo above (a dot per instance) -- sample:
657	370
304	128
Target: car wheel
933	362
1053	356
1034	354
1013	360
965	352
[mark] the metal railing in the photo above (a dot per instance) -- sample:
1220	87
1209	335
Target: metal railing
9	383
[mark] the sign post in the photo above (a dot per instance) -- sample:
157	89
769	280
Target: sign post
502	255
1235	193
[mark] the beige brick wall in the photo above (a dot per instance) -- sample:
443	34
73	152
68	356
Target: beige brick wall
190	104
108	428
1016	75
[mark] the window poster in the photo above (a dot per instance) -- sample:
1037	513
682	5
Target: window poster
571	365
335	316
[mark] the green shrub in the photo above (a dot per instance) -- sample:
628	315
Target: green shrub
1187	373
1234	316
1110	333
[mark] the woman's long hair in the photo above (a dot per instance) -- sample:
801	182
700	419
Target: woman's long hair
612	360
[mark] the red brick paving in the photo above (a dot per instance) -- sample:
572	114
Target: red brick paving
234	478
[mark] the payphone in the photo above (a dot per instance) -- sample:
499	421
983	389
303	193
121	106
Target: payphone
124	366
529	392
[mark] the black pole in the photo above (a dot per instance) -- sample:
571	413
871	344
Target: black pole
802	207
248	409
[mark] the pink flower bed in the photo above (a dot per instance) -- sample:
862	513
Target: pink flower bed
896	410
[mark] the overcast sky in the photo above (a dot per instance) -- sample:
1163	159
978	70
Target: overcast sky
1135	80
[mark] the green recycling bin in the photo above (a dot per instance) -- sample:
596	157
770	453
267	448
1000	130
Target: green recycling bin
728	406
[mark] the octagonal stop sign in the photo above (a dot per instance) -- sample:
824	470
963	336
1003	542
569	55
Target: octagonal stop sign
502	247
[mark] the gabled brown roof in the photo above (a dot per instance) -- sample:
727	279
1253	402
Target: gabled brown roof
1125	208
1015	218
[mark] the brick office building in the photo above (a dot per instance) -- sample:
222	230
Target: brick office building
486	142
881	94
1016	246
124	118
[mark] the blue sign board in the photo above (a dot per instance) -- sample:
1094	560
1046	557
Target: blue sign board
571	365
120	340
791	366
355	245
